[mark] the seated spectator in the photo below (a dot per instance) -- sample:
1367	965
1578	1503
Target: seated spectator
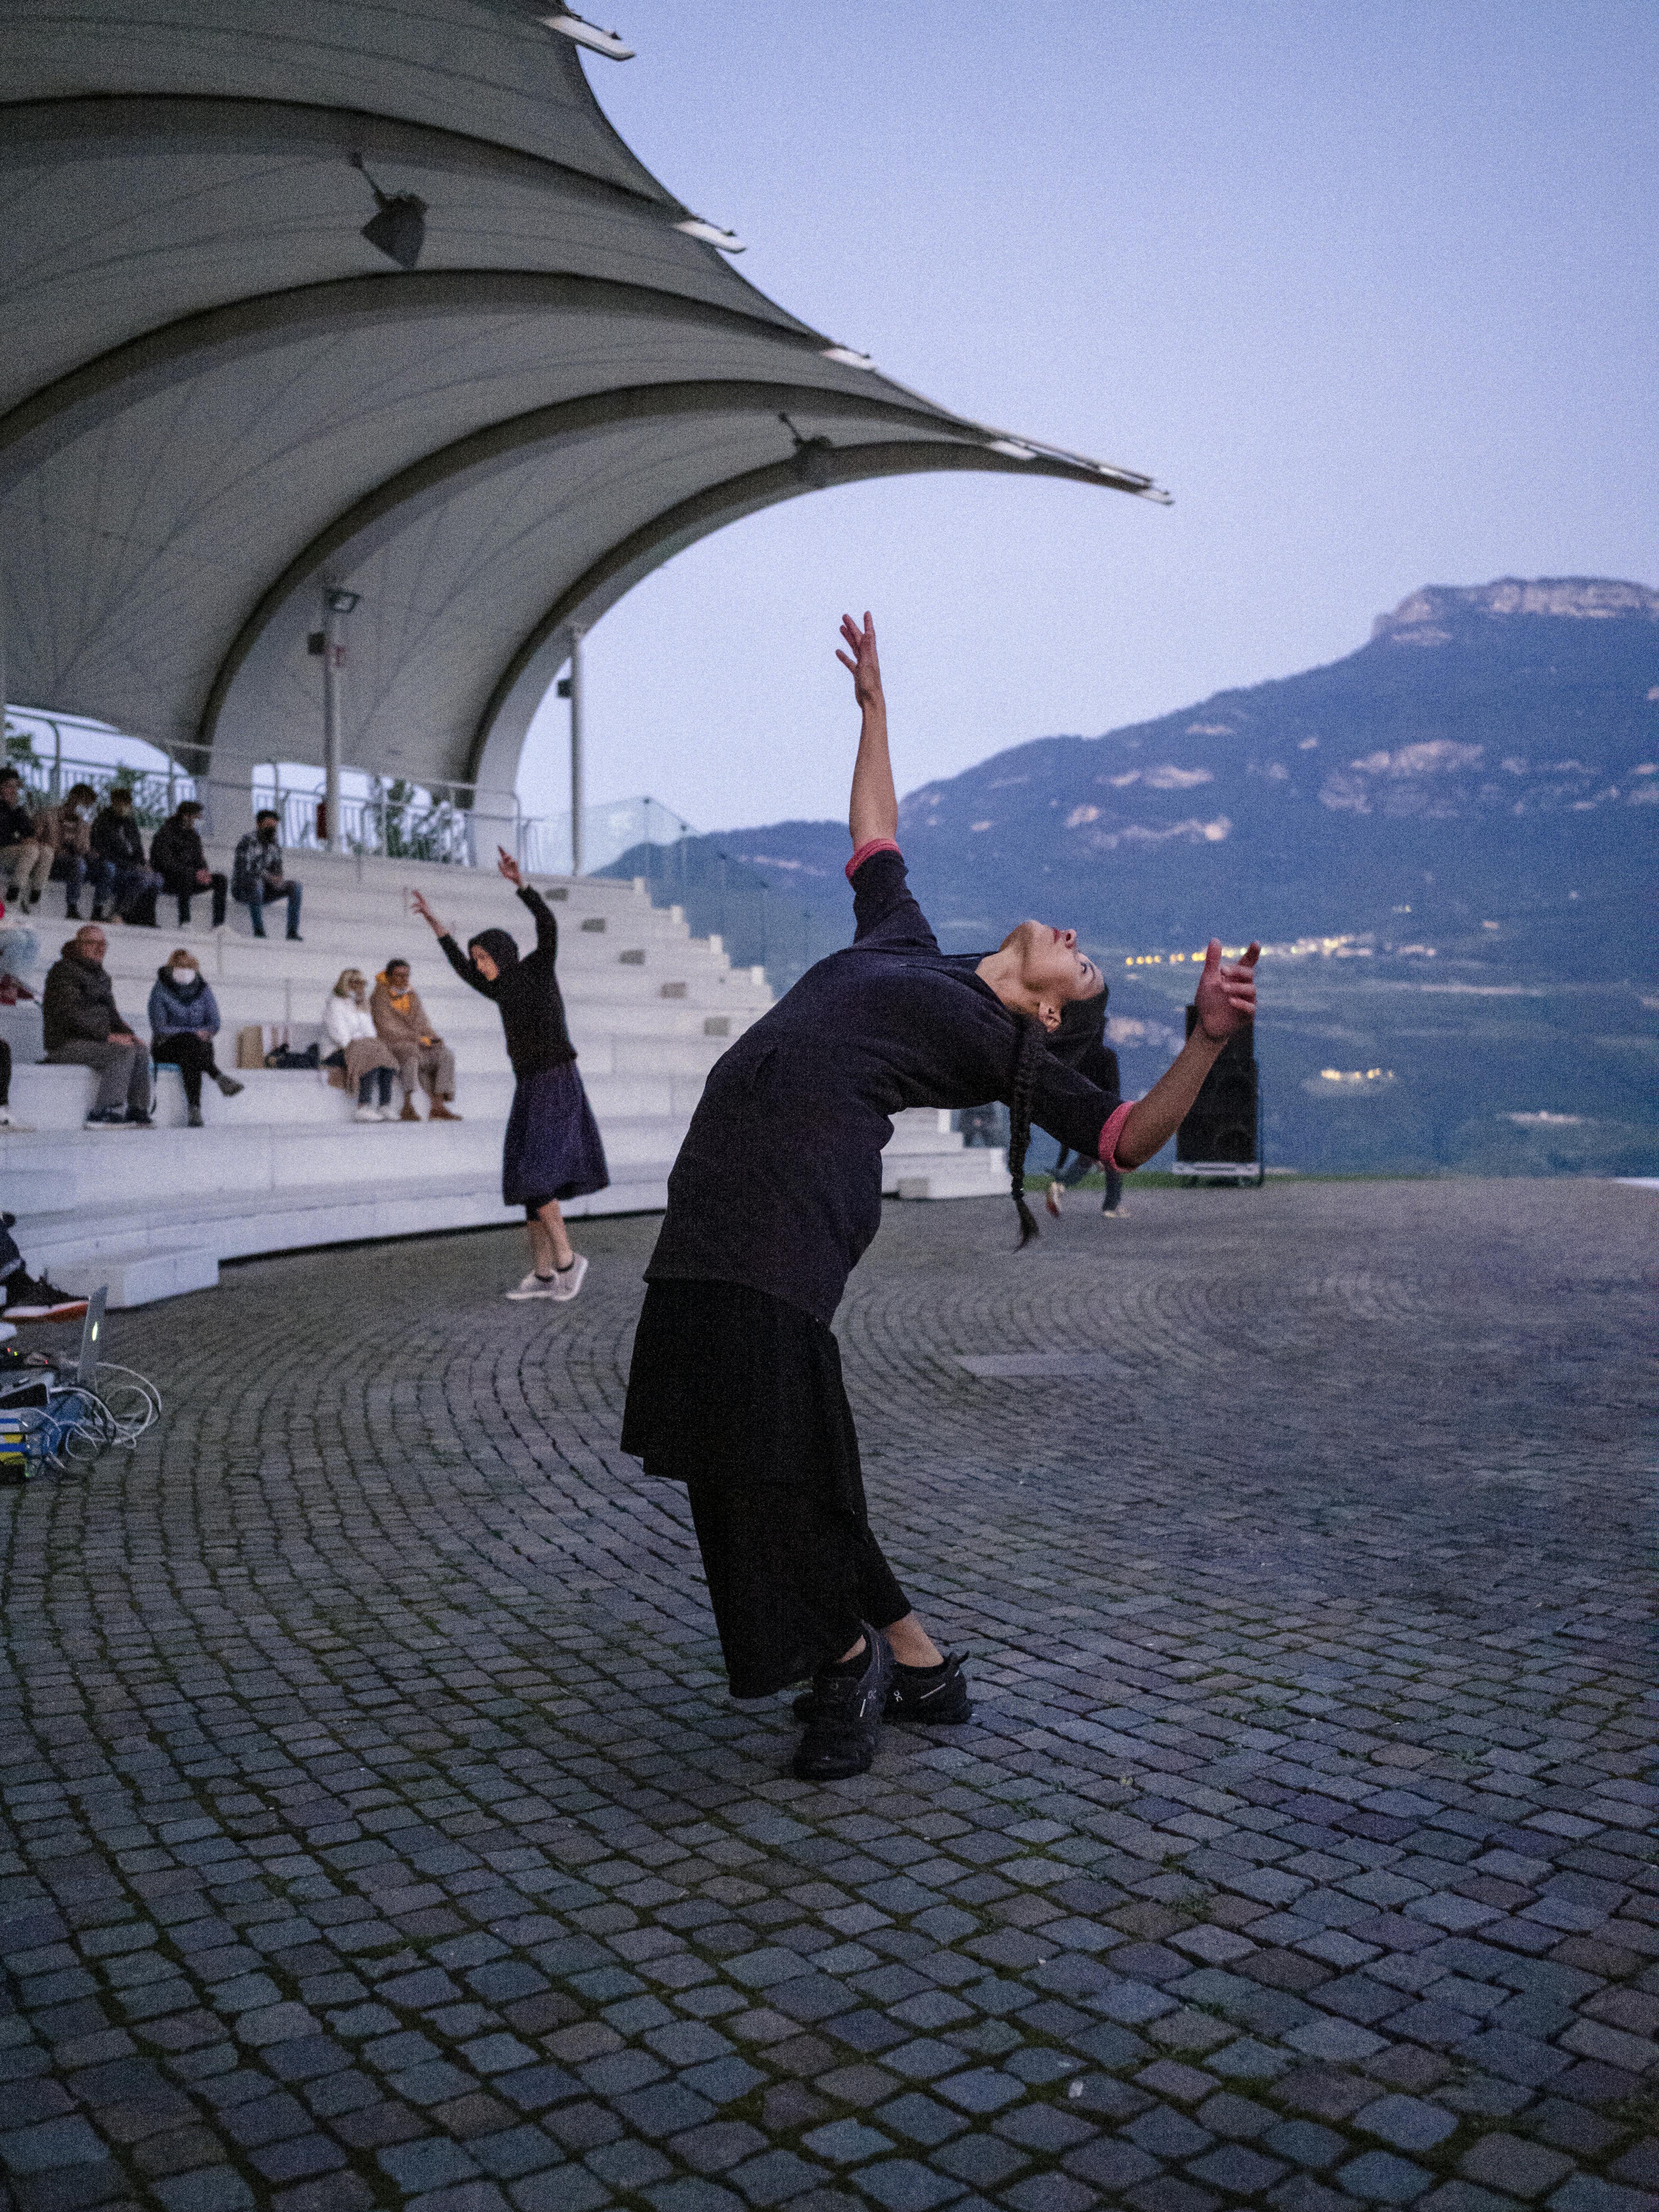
117	838
69	826
83	1029
421	1054
176	854
25	848
11	990
184	1020
349	1026
256	874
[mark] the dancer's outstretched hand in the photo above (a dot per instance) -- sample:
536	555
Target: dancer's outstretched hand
509	867
1226	996
864	666
418	902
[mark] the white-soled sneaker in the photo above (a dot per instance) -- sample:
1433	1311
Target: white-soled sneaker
365	1114
535	1286
567	1281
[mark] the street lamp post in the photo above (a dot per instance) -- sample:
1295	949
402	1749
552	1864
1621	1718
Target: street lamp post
336	605
576	854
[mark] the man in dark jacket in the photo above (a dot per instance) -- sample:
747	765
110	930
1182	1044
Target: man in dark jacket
84	1029
176	854
116	838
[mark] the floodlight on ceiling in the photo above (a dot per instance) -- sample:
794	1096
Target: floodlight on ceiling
847	357
711	235
581	33
810	457
1013	447
398	229
338	600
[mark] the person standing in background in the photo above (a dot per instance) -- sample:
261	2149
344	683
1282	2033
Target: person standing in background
552	1151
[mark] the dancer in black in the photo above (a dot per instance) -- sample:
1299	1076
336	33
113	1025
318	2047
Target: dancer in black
553	1149
735	1388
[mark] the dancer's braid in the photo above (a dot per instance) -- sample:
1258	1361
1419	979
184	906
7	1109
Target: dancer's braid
1019	1121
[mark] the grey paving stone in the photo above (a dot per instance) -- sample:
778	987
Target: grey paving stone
452	1837
1379	2177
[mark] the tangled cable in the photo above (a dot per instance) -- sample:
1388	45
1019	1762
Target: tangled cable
49	1420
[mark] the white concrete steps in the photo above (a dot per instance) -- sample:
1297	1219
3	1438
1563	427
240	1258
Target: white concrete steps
285	1164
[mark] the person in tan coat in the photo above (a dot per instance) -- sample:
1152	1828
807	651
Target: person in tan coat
423	1056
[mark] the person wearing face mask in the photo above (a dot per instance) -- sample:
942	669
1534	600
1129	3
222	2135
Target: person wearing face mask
68	827
184	1020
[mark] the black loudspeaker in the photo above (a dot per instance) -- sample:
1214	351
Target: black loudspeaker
1222	1124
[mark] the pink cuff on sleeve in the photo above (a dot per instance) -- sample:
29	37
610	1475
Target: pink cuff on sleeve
1112	1131
874	845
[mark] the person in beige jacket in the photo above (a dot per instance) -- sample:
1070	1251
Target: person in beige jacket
423	1056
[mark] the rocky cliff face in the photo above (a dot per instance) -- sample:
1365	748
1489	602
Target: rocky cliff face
1445	850
1438	612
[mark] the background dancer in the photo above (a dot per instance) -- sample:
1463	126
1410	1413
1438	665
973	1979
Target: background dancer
736	1386
553	1150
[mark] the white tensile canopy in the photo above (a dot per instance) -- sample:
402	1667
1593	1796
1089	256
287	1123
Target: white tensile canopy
218	397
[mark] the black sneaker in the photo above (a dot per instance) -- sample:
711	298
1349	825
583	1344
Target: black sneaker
845	1721
106	1117
925	1697
136	1118
33	1298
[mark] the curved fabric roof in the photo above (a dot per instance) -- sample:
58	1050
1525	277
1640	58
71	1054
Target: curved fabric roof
215	396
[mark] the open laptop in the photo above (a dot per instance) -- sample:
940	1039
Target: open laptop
92	1333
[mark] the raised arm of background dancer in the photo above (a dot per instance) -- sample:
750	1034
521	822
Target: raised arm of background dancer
873	813
1225	999
547	929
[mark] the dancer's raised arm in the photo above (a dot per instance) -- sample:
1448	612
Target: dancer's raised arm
873	812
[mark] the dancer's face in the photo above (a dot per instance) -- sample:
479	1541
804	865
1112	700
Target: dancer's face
485	966
1051	968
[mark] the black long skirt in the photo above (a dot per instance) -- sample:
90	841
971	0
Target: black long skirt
740	1397
552	1148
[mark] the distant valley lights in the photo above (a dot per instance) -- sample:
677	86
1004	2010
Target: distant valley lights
1300	948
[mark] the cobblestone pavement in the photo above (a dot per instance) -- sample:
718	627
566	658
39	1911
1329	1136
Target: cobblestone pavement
381	1831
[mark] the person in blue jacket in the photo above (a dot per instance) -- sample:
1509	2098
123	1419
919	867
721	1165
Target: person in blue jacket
184	1020
735	1387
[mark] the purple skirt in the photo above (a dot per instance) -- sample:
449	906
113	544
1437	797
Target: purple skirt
553	1147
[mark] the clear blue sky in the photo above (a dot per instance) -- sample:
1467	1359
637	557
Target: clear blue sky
1370	288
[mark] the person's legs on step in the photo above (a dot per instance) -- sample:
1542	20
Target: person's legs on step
111	1063
138	1084
219	886
438	1071
292	892
408	1075
184	1053
256	905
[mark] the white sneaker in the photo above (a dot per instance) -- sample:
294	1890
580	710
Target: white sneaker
366	1114
567	1281
535	1286
386	1114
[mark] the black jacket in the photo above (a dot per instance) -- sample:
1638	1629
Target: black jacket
117	837
16	826
528	992
176	848
78	1007
778	1182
